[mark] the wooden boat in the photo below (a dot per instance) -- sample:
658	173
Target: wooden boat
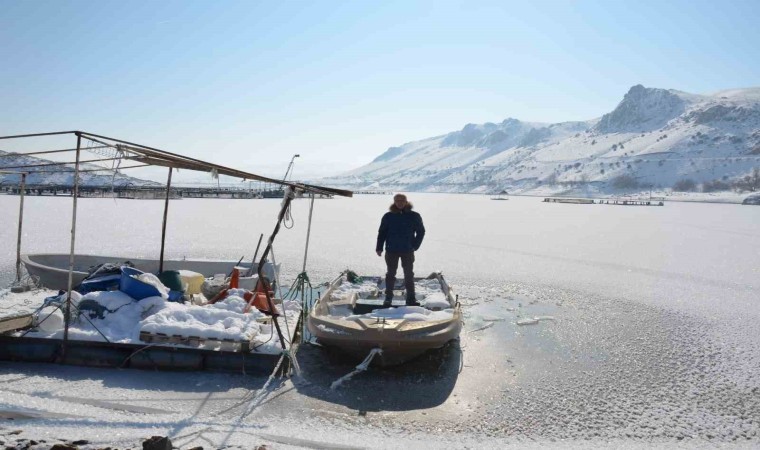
356	322
53	269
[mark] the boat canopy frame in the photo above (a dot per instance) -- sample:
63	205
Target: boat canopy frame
145	156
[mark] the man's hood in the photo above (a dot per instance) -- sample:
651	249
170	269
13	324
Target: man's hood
395	210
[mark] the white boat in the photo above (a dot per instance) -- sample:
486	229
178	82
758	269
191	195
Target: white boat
52	270
350	316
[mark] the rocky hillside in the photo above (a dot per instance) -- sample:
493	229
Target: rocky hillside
654	138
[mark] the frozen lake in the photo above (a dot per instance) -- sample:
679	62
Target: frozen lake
705	255
650	337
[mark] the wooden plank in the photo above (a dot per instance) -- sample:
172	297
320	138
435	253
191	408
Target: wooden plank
13	323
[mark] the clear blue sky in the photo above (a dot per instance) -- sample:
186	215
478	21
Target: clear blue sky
248	84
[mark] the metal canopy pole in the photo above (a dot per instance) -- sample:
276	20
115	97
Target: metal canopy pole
71	254
163	227
289	194
20	222
308	234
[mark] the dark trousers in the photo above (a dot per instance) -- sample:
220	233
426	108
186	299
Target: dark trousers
407	263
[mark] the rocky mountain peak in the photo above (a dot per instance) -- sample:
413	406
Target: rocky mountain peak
642	109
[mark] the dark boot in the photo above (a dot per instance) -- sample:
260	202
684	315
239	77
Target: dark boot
407	262
391	260
411	300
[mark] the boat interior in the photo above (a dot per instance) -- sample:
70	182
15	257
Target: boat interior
367	294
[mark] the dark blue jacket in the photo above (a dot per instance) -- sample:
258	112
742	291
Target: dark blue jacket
400	230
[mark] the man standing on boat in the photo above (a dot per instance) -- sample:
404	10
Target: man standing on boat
401	231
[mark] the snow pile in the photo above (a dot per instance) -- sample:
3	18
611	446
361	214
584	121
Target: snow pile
430	294
117	317
149	278
215	322
366	289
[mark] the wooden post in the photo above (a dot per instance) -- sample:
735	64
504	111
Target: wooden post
163	227
71	254
20	222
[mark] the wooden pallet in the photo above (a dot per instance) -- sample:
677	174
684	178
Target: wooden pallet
229	345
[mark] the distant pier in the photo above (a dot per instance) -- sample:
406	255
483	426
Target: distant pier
143	192
577	201
630	202
607	201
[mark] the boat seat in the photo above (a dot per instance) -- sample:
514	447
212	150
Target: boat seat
344	306
364	306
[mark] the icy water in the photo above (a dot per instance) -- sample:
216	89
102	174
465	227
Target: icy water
585	324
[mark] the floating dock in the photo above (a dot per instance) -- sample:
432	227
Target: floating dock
135	356
152	350
158	353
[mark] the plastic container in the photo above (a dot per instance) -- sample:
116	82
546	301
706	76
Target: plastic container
134	287
176	296
249	283
193	280
102	283
171	279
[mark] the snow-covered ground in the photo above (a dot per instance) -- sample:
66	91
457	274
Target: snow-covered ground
586	326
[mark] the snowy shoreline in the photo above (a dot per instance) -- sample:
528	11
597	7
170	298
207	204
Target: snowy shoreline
667	196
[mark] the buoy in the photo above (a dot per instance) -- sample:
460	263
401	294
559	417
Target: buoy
258	299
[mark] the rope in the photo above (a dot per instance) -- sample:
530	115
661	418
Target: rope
115	166
299	287
287	220
28	282
256	401
286	352
292	358
136	352
360	368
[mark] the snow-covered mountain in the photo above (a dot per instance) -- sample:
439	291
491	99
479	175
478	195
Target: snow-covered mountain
60	175
653	138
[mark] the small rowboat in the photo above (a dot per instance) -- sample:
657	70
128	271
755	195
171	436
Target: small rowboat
350	316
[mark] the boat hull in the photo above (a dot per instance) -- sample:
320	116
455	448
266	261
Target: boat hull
52	270
397	347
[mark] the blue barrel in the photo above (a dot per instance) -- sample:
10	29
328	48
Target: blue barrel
134	287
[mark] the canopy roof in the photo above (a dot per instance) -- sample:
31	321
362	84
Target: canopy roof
149	156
